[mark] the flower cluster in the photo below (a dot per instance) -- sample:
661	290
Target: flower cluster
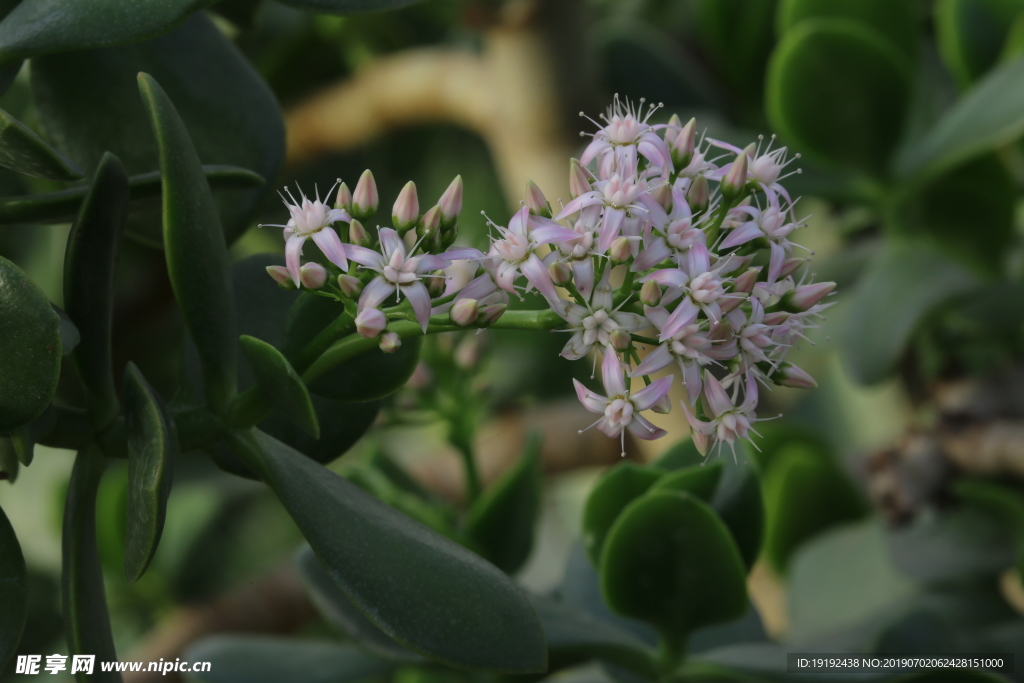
673	251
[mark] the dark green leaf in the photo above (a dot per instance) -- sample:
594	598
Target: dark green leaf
971	33
838	90
700	481
69	335
895	20
151	451
13	592
503	519
30	348
22	151
87	622
619	487
24	445
337	609
62	206
280	384
671	561
349	6
266	659
89	263
197	257
1006	502
88	103
9	463
424	591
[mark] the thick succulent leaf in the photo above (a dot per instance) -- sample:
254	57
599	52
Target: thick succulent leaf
670	560
89	263
503	519
151	451
267	659
338	610
88	103
698	481
837	90
197	256
63	206
9	463
22	151
903	285
280	384
894	20
426	592
349	6
619	487
86	620
990	115
1006	502
13	592
971	33
30	348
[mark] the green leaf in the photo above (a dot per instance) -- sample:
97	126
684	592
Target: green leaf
30	348
349	6
338	610
671	561
1004	501
280	384
22	151
619	487
69	334
89	263
151	451
63	206
987	117
503	519
267	659
971	33
88	103
903	285
429	594
13	592
838	91
86	620
197	257
23	443
700	481
895	20
9	463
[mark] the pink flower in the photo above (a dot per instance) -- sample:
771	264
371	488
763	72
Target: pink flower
625	135
620	410
769	223
677	235
595	323
683	342
702	285
728	421
618	195
515	251
312	219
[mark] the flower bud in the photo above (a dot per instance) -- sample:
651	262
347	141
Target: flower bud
675	124
350	285
429	227
619	339
730	302
663	405
464	312
406	212
450	203
536	202
281	276
560	273
790	375
579	180
699	194
621	250
436	282
805	296
775	318
490	314
735	181
790	266
745	282
650	293
357	234
663	195
390	342
344	198
409	240
312	275
370	322
683	144
701	441
365	199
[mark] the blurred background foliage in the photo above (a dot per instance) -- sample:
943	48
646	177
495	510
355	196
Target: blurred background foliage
893	508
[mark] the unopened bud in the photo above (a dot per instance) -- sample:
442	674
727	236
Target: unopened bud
730	302
281	276
430	226
450	203
650	293
790	375
805	296
745	282
370	322
621	250
357	234
490	314
409	240
663	195
683	145
536	202
350	285
406	212
390	342
579	180
699	194
312	275
437	282
675	124
560	273
663	405
464	312
619	339
735	181
775	318
790	266
344	198
365	199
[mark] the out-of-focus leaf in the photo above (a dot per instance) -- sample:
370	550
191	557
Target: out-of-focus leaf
619	487
904	284
23	444
280	384
197	257
9	463
89	263
971	33
87	622
88	103
838	90
894	20
266	659
151	451
63	205
22	151
920	630
698	481
348	6
502	520
1004	501
671	561
426	592
13	592
69	335
30	348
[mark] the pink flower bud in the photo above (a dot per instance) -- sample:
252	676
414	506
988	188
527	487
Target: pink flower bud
621	250
490	314
745	282
790	375
365	199
357	234
370	322
450	203
464	312
730	302
536	202
390	342
790	266
406	212
672	129
560	272
579	180
806	296
663	406
775	318
735	180
312	275
281	276
650	293
344	198
683	144
619	339
350	285
663	195
699	194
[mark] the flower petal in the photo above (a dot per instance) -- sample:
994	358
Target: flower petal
390	242
375	293
718	401
610	227
685	313
365	257
419	297
583	201
539	277
329	242
292	256
651	394
595	403
613	375
583	276
655	360
642	428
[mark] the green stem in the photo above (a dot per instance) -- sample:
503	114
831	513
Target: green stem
463	443
671	653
